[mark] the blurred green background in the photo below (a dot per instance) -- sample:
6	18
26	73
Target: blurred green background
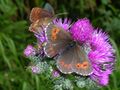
14	37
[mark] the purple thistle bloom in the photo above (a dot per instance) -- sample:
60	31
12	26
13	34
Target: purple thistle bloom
65	24
101	77
55	73
81	30
101	56
101	53
30	50
35	69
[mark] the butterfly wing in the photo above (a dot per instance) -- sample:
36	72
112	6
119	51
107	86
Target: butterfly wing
57	38
81	63
38	13
40	19
49	8
38	26
64	61
75	60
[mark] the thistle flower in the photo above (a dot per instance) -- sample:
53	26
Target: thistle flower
35	69
100	53
81	30
55	73
101	56
30	50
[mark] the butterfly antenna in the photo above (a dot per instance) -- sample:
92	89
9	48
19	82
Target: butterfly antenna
59	14
50	9
71	24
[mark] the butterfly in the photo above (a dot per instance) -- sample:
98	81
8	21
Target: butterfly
69	54
40	18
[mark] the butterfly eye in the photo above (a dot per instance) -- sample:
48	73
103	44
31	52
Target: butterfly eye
84	65
78	65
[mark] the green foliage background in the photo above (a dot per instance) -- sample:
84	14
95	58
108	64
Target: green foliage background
14	37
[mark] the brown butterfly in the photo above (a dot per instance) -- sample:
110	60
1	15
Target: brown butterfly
40	18
70	55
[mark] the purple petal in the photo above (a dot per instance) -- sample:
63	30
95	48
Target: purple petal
30	50
101	51
104	80
82	30
55	73
65	24
35	69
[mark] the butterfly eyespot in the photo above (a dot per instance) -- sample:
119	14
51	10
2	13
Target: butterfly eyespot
78	65
84	65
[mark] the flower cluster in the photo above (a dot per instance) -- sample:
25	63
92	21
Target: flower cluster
99	51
